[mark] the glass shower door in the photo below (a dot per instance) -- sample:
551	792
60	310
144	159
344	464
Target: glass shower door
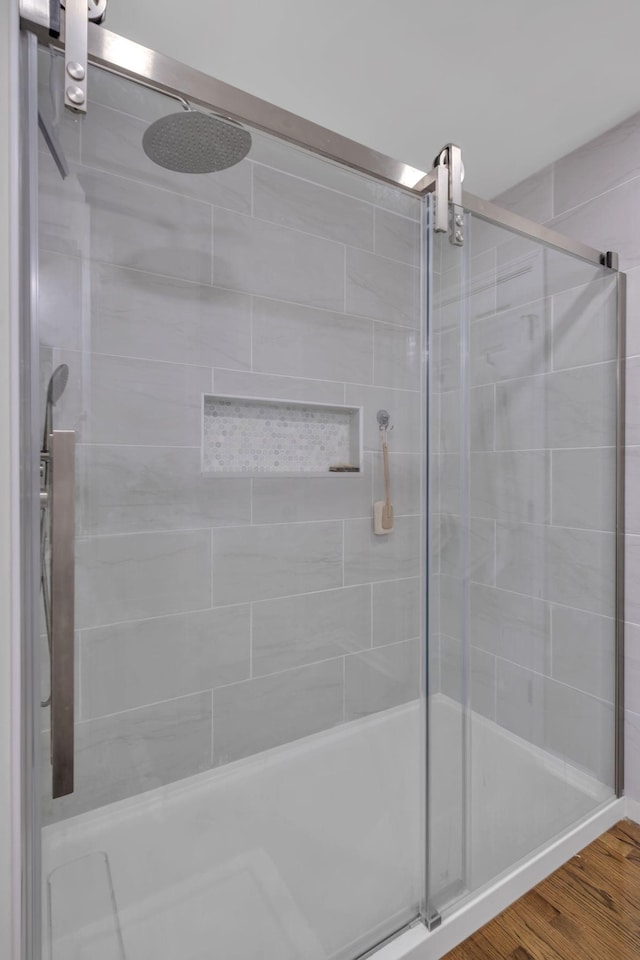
523	372
249	755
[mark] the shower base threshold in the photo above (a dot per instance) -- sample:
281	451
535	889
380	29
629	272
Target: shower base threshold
418	943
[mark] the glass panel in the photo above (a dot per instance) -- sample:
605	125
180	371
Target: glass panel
249	757
523	512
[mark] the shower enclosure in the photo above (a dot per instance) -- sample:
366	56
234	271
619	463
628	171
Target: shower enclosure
257	724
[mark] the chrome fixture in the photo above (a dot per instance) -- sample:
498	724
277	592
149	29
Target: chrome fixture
449	208
57	526
195	142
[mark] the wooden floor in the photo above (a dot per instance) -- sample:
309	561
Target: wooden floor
589	909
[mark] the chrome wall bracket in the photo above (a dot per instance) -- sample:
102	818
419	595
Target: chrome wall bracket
449	215
76	55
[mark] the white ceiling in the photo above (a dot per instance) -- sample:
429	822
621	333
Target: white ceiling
517	83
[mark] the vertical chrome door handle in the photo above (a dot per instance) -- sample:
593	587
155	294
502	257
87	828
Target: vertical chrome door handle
62	512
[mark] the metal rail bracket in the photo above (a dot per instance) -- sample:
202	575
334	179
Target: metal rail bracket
449	217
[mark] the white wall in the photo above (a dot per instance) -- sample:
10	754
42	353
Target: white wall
7	49
593	194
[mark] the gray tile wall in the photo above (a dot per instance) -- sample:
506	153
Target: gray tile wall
593	194
221	617
535	536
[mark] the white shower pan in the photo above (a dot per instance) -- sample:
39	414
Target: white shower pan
264	860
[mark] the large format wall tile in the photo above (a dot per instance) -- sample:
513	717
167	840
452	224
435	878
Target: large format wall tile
511	626
136	314
632	578
117	400
112	141
293	631
481	670
570	723
131	664
512	344
138	750
481	419
126	488
584	488
585	324
598	166
265	712
397	237
397	357
306	206
480	548
382	289
297	341
532	197
136	225
274	261
633	313
511	486
568	566
584	651
61	313
275	560
632	489
140	575
604	223
381	678
64	222
632	667
396	611
284	500
238	384
572	408
368	557
632	753
632	413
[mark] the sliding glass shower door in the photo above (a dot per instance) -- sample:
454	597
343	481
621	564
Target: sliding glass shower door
523	466
248	758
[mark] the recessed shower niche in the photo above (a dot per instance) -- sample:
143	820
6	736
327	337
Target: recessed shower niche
251	436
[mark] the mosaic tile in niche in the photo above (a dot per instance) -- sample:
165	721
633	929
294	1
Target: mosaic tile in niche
254	436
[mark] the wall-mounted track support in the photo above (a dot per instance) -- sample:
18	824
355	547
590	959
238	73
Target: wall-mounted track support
78	14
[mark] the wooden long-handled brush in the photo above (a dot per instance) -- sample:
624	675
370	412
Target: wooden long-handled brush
383	509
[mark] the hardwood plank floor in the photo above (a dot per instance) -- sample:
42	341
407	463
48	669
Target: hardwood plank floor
589	909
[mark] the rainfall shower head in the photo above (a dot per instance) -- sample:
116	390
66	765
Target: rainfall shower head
194	142
57	384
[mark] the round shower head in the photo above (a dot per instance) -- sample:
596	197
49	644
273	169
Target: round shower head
194	142
57	383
